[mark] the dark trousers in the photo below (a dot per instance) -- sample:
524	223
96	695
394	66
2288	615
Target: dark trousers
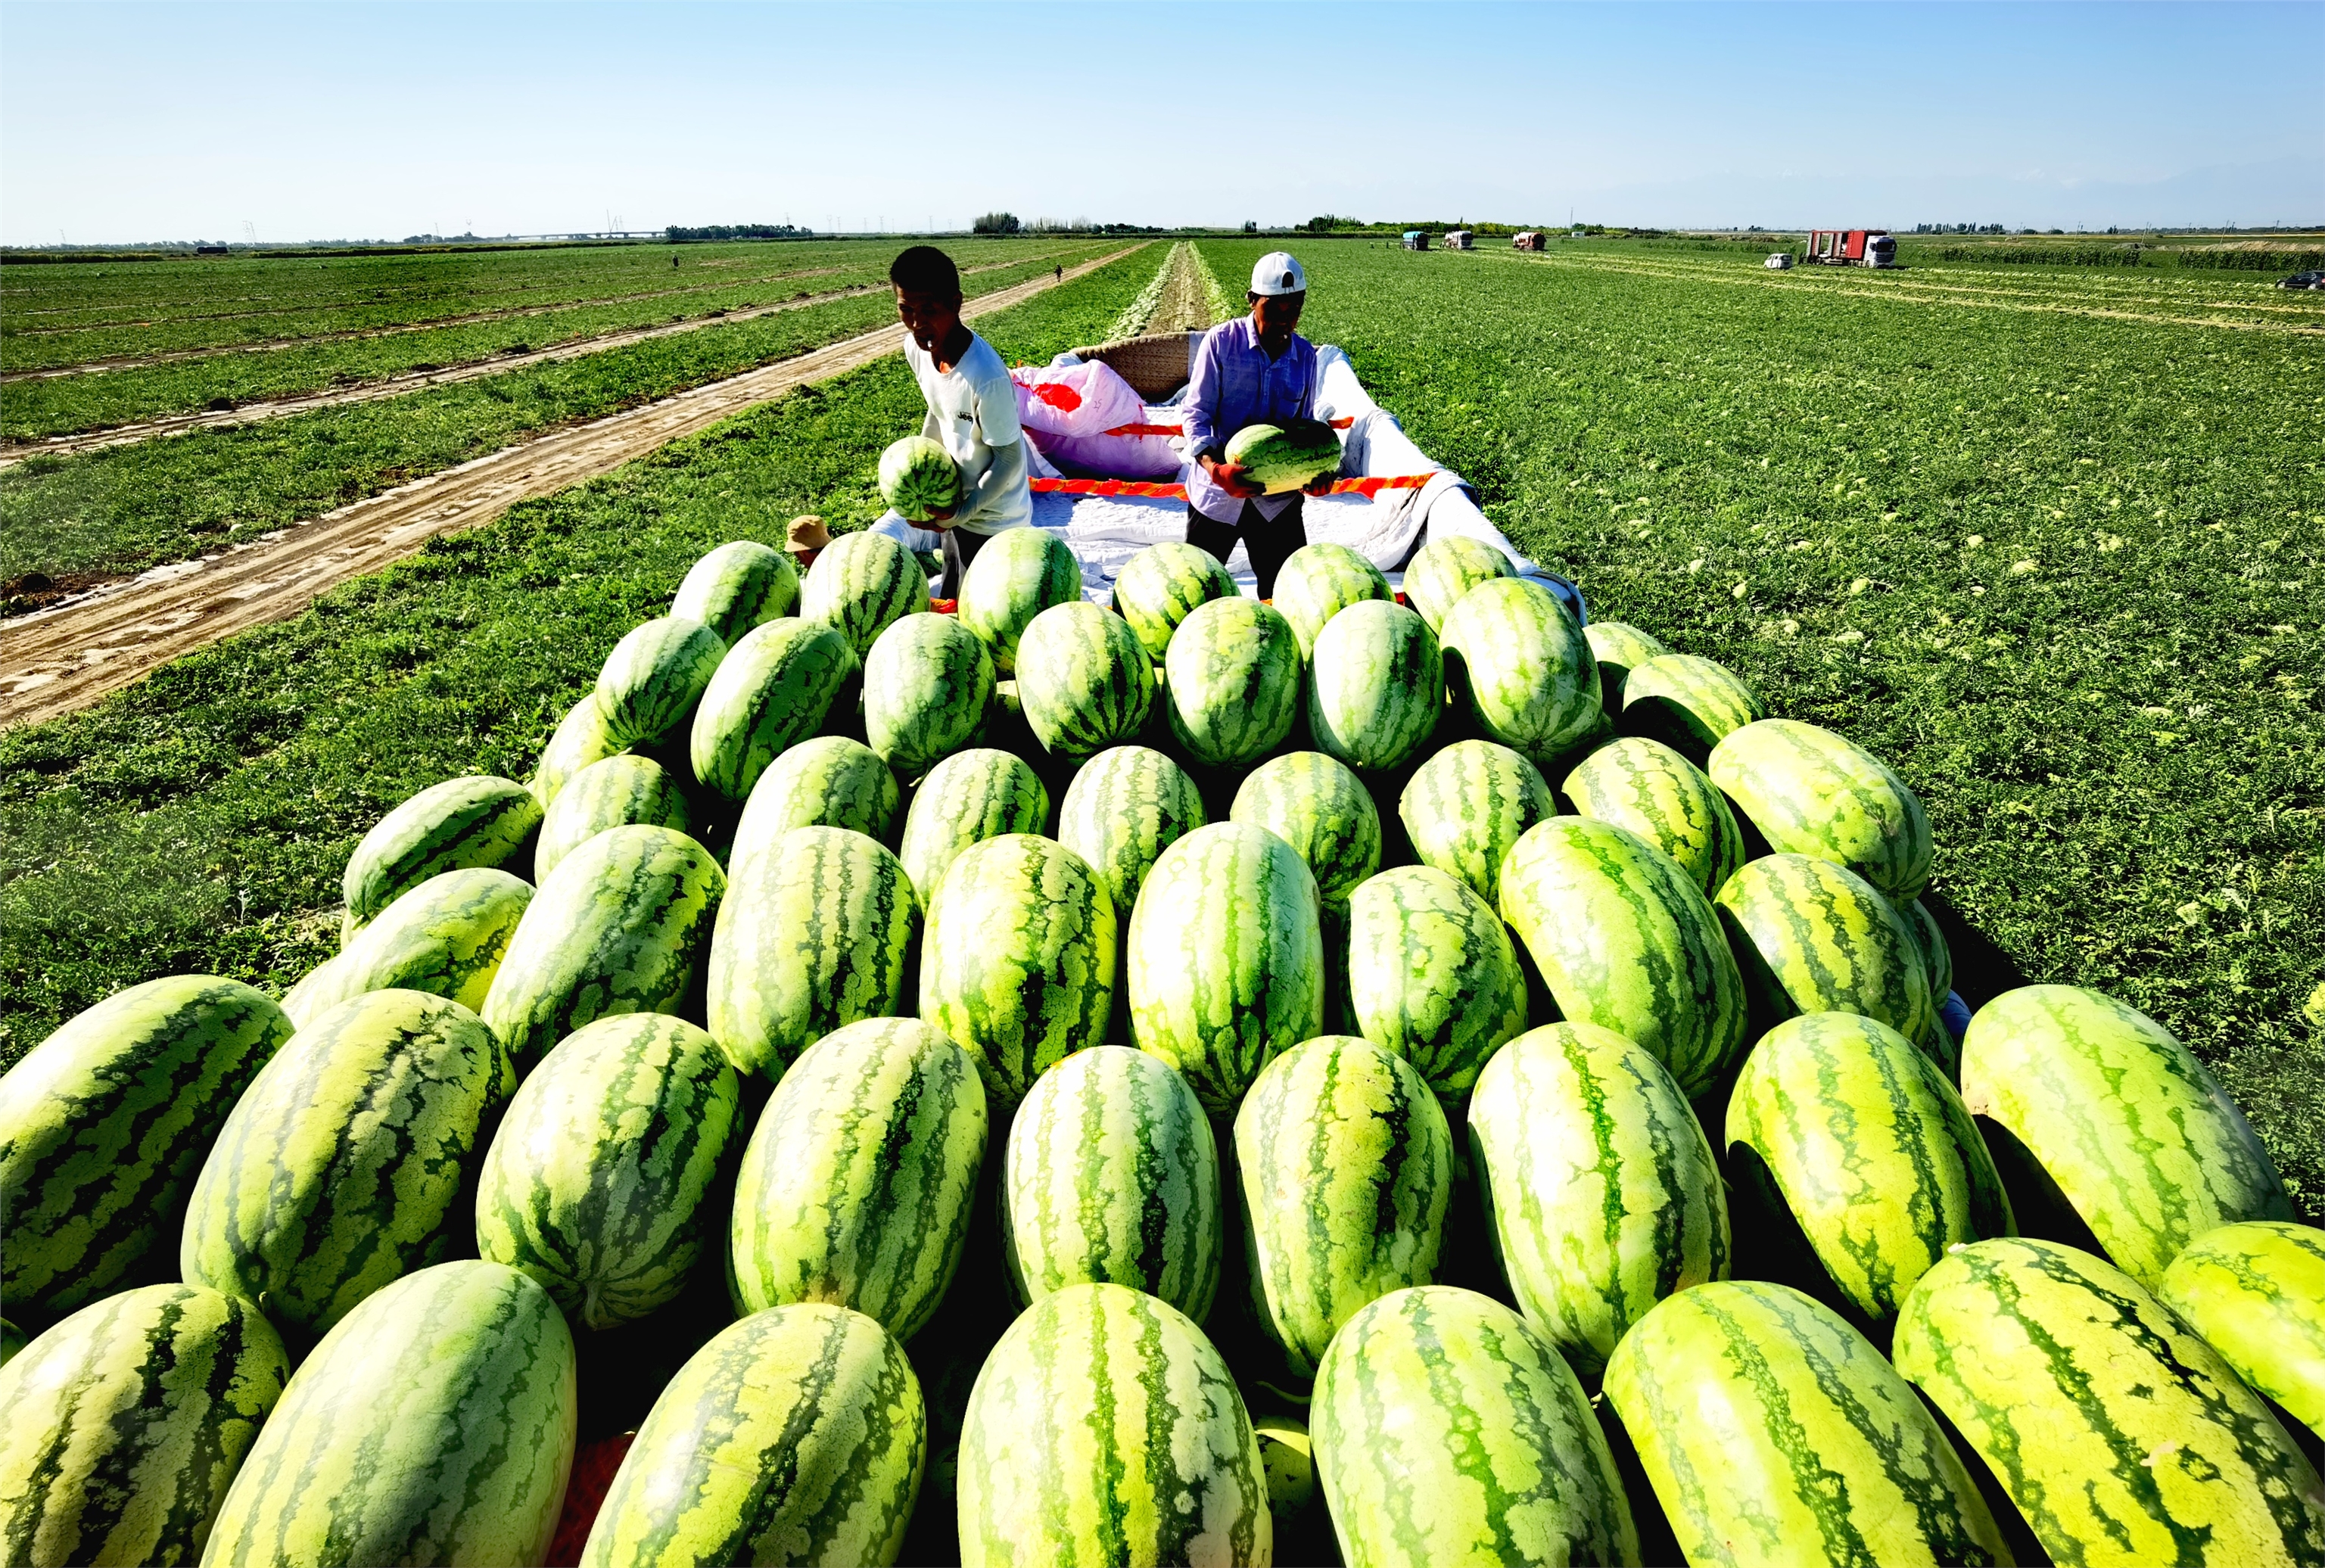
1269	542
960	547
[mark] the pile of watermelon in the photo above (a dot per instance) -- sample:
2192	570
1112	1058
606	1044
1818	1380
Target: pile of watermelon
1200	1081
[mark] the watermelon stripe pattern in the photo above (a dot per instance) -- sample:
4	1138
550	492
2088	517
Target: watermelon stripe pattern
446	937
1316	582
1018	574
796	1435
968	797
122	1427
2256	1290
1432	977
1811	791
460	823
1619	650
466	1464
1232	681
1651	790
1937	958
1084	679
1315	804
1124	808
772	692
654	676
1376	686
860	585
1774	1434
1516	660
612	794
1811	937
1443	570
1465	807
1162	584
1690	704
828	782
579	739
737	587
927	683
2120	1435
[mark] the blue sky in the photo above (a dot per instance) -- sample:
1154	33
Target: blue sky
188	120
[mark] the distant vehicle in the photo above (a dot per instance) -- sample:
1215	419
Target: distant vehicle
209	250
1852	247
2303	280
1529	240
1460	239
1415	240
1782	262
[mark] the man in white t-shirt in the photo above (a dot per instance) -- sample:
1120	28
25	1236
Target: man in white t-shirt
972	408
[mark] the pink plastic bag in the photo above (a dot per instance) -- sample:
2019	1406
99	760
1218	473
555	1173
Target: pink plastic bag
1075	399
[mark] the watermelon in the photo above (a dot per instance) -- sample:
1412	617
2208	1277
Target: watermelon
1124	808
1289	1459
1600	1186
1774	1434
104	1127
1318	581
1104	1428
1084	679
970	796
1625	939
1279	459
619	927
654	676
597	1182
434	1425
1812	938
1018	960
1376	686
612	794
1232	681
1937	958
1443	570
1809	792
919	478
1619	650
927	683
2256	1290
1647	787
860	585
1688	703
1465	807
579	739
446	937
12	1341
796	1435
343	1166
2123	1120
772	692
1316	805
1018	573
828	782
1111	1174
460	823
736	587
126	1422
1517	664
1448	1431
816	934
2120	1435
1162	585
1225	958
855	1189
1347	1164
1432	975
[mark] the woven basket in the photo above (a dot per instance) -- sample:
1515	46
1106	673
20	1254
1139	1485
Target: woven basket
1156	365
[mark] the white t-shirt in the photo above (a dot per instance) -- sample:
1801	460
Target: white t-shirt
972	410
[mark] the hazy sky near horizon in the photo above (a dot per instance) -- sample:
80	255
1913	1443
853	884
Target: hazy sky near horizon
141	122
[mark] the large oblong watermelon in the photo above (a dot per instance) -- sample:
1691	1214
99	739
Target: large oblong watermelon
1316	582
1517	663
1654	792
860	585
1083	678
446	937
1162	585
1432	975
580	738
654	676
1619	650
1232	681
736	587
1018	573
1688	703
2255	1292
1810	937
771	692
828	782
927	683
1811	791
612	794
1315	804
1124	807
476	820
1282	458
1376	686
971	795
1465	807
919	478
1441	571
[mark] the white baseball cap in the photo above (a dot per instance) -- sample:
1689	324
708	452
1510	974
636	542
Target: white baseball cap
1278	273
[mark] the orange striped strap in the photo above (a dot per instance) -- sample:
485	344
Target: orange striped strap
1171	430
1366	488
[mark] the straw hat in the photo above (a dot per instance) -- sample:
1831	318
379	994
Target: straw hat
809	534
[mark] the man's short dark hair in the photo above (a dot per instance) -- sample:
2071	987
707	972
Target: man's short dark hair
925	270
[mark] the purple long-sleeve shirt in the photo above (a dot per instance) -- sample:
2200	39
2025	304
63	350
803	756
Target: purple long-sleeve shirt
1235	384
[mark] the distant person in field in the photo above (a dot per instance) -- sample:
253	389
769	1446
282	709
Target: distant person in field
806	539
972	408
1256	369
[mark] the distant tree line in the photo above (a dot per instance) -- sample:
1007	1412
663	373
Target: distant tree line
683	236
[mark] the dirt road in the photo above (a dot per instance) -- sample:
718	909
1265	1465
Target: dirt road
64	658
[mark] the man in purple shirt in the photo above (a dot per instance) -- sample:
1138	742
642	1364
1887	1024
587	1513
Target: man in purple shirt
1254	370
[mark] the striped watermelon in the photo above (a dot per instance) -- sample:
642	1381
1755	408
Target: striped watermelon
1232	681
463	1463
1316	805
1598	1184
1625	939
121	1428
1433	976
597	1182
927	683
1289	1459
813	935
1465	807
1688	703
1376	686
736	587
2121	1436
855	1189
1316	582
1812	938
1017	574
1937	958
1444	569
104	1127
2130	1128
1809	792
1162	585
612	794
654	676
1018	960
970	796
1773	1433
1124	807
1111	1174
828	782
797	1436
1619	650
1105	1429
446	937
2256	1290
1225	958
1448	1431
1517	664
460	823
772	692
1347	1164
579	739
619	927
1083	678
860	585
343	1166
1868	1146
1647	787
